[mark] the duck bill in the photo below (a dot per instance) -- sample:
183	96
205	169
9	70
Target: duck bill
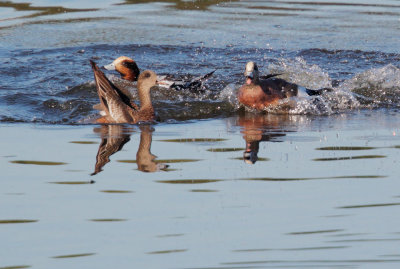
249	76
250	157
110	66
249	80
163	82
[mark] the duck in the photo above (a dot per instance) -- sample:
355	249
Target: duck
260	92
129	70
117	107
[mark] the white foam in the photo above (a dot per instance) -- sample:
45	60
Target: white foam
298	71
302	92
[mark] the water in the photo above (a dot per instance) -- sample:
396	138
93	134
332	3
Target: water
56	85
208	185
321	194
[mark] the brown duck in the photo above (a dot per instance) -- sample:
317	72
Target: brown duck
261	92
117	107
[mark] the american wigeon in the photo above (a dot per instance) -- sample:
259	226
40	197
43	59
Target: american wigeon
259	92
117	107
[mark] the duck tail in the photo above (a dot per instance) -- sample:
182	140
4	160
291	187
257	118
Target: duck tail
197	83
206	76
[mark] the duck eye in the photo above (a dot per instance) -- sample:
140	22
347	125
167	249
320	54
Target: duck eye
131	65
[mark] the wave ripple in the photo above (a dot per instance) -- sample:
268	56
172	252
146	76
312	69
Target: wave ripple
56	85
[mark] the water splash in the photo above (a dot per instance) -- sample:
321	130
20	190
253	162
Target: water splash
377	87
57	86
298	71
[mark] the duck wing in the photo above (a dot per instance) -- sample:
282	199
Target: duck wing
106	87
319	91
269	76
206	76
193	84
114	102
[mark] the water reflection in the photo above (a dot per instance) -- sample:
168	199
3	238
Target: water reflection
73	256
37	162
16	267
167	251
113	139
182	5
144	159
257	128
17	221
39	10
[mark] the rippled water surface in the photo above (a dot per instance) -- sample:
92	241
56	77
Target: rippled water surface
208	185
320	193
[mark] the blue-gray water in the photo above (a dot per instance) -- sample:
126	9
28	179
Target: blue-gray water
322	191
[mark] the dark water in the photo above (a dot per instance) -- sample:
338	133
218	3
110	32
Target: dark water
45	52
56	85
209	185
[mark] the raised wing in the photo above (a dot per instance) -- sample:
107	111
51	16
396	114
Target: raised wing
107	90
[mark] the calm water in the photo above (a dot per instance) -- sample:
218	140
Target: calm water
208	185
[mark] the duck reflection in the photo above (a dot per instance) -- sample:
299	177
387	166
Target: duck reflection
257	128
144	158
113	139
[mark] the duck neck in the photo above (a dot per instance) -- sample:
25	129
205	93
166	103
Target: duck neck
145	143
256	80
145	99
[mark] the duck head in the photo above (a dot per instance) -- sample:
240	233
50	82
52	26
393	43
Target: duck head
250	157
126	67
251	73
147	79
